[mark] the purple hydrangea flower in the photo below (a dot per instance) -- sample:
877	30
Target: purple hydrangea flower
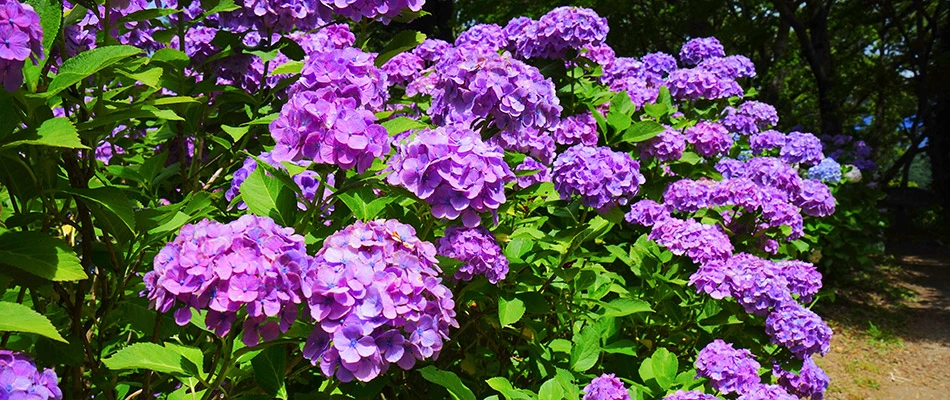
647	213
655	67
810	382
799	329
622	68
403	68
382	10
700	242
250	263
690	395
483	35
375	294
640	91
731	168
568	28
699	49
606	387
21	37
736	192
530	164
454	171
699	83
803	278
432	50
815	199
773	172
307	181
756	284
602	177
828	170
580	128
667	146
349	72
21	379
328	129
477	248
601	54
766	140
530	141
766	392
709	138
729	68
687	195
750	117
801	148
729	370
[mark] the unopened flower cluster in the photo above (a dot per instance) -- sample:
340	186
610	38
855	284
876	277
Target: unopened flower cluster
376	297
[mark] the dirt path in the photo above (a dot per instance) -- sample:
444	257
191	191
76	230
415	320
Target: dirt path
894	342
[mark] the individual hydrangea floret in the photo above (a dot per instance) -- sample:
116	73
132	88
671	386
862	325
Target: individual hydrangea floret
602	177
483	35
696	50
766	392
454	171
665	147
801	148
403	68
687	195
647	213
709	138
21	379
606	387
249	264
530	164
21	38
349	72
799	329
478	250
828	170
577	129
728	369
376	298
700	242
810	382
815	199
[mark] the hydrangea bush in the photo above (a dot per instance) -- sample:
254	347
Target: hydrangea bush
252	199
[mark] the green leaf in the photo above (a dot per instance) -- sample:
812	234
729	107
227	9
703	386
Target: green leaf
175	58
643	130
399	125
40	255
193	358
404	41
20	318
504	387
148	356
267	196
624	307
289	67
149	77
510	310
235	132
664	366
586	349
551	390
449	380
85	64
55	132
566	380
269	370
110	205
364	204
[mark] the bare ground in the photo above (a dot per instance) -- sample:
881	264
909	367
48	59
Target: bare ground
892	337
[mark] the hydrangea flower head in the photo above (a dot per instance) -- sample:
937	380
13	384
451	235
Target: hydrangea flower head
250	263
21	379
802	148
799	329
810	382
568	28
454	171
328	129
700	242
815	199
687	195
606	387
766	140
698	49
766	392
580	128
709	138
758	285
665	147
477	248
828	170
690	395
530	164
349	72
403	68
21	38
647	213
375	294
382	10
729	370
602	177
699	83
483	35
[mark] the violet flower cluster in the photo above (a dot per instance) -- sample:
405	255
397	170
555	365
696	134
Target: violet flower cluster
478	250
21	38
690	395
577	129
563	29
382	10
665	147
606	387
543	173
810	382
798	329
453	170
328	128
801	148
709	138
700	242
699	49
489	36
750	117
349	72
601	177
728	369
376	297
766	392
249	268
21	379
